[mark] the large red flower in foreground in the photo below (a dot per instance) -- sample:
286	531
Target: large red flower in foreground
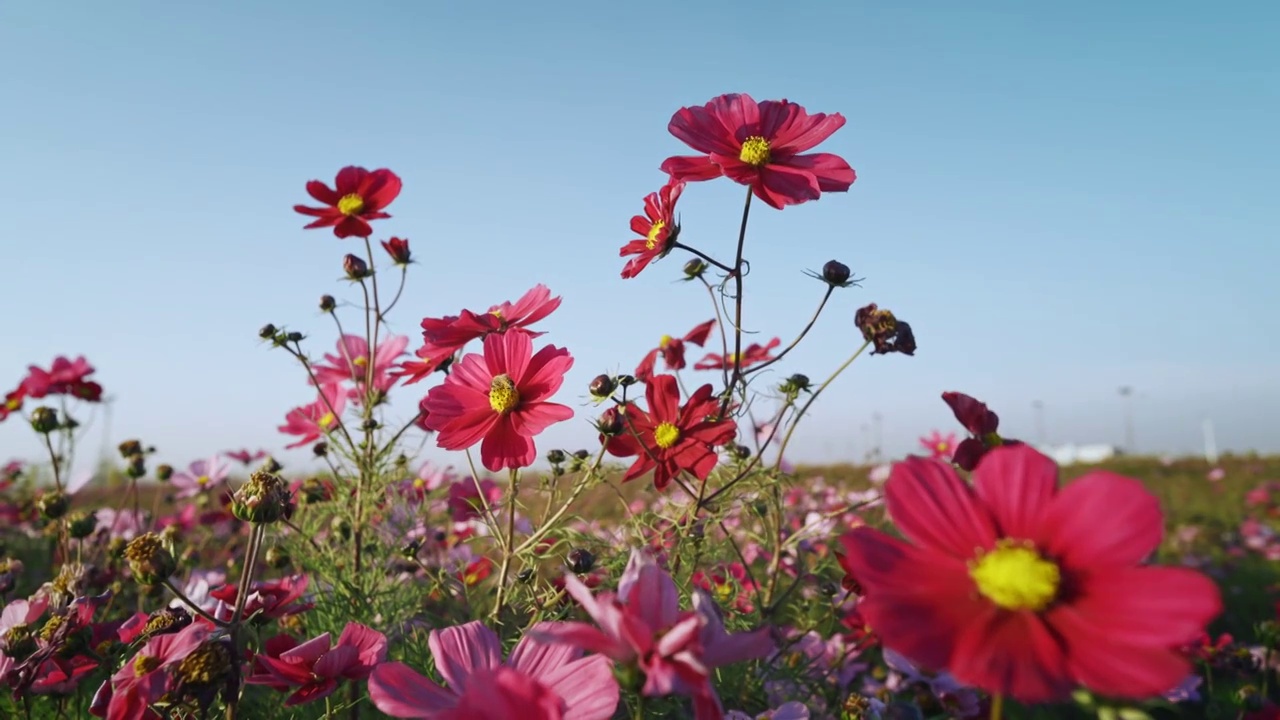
1019	588
657	229
500	397
668	439
357	196
759	144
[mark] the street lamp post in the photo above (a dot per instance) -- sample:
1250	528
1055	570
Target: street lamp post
1038	407
1126	394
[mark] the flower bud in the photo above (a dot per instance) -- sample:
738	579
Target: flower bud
581	561
556	457
354	267
626	380
81	525
267	332
582	454
136	467
53	504
610	422
294	336
525	575
44	420
264	499
320	449
277	558
164	472
835	273
602	386
694	269
741	452
398	249
149	560
327	303
129	448
796	384
271	465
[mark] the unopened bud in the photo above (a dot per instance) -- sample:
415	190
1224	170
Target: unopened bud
267	332
602	386
164	472
44	420
741	452
320	449
835	273
271	465
582	454
277	558
354	267
53	504
327	303
81	525
136	467
129	448
264	499
610	422
149	560
581	561
626	380
694	268
556	457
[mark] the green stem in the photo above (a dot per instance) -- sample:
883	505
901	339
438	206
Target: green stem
509	544
997	707
737	307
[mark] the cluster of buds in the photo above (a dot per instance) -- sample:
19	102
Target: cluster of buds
264	499
149	559
887	333
135	458
279	337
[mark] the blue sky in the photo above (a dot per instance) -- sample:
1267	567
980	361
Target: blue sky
1062	198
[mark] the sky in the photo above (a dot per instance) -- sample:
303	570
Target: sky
1061	198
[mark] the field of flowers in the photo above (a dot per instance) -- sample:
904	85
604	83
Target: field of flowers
673	566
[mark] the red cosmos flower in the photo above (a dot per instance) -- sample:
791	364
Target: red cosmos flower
657	227
981	423
357	196
442	337
751	355
502	398
269	600
672	350
1017	587
759	144
244	456
315	668
12	402
667	438
398	249
64	377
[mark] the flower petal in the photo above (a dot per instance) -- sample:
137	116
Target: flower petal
398	691
462	650
1017	484
932	506
1102	519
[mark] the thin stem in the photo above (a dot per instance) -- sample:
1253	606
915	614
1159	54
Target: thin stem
246	573
724	339
737	307
404	273
799	337
306	364
997	707
710	260
513	493
191	605
804	408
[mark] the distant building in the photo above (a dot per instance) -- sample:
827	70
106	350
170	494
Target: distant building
1080	454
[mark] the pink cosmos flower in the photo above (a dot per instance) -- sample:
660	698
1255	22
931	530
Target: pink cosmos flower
244	456
500	397
642	626
442	337
313	421
351	363
267	600
760	145
940	447
201	476
502	694
143	679
315	668
64	377
466	655
21	612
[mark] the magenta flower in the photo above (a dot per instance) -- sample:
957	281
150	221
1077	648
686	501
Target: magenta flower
315	668
500	399
351	363
314	421
201	476
469	657
143	679
642	626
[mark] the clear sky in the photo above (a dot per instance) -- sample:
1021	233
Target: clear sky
1062	198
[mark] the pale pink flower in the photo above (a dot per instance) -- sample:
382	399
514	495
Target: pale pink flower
351	363
467	656
201	476
314	421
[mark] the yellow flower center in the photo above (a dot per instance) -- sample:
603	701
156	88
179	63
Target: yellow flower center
350	204
360	361
755	151
942	447
145	664
202	480
724	592
326	420
664	341
1015	576
503	396
208	663
654	231
666	435
419	483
